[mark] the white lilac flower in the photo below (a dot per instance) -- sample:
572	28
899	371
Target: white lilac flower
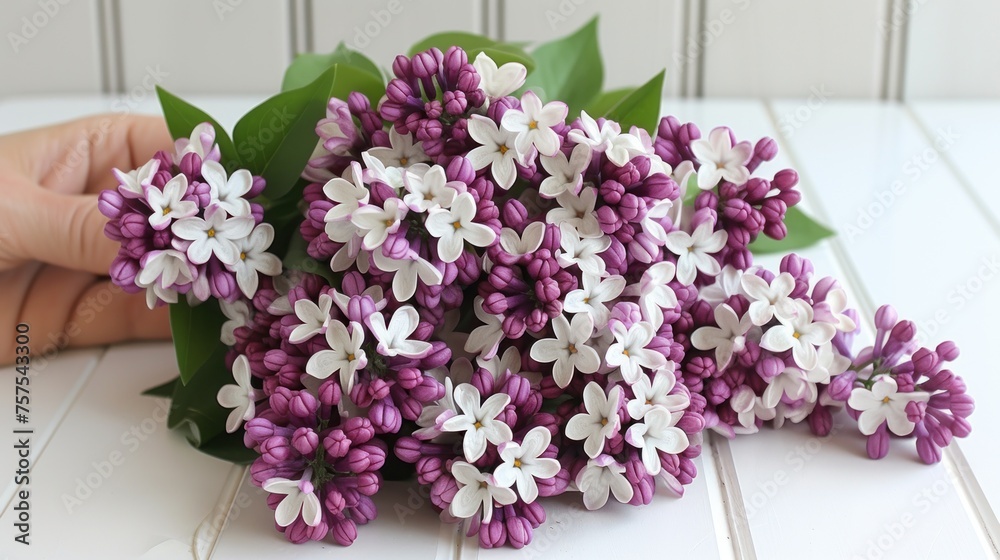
748	408
655	293
598	138
727	284
375	223
768	301
169	204
657	165
657	432
577	211
214	235
403	152
499	82
585	252
375	170
533	125
792	382
315	318
455	226
833	306
428	187
694	251
884	403
524	244
407	270
225	191
300	497
432	416
496	150
509	362
630	353
591	298
201	142
650	395
237	316
348	196
565	174
345	355
603	476
160	272
254	258
394	338
799	334
478	420
523	463
651	221
240	397
569	349
133	184
477	490
485	339
720	160
727	339
599	422
829	363
623	148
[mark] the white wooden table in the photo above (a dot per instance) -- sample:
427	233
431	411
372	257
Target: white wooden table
110	481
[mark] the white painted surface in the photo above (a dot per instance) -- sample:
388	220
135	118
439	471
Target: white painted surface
800	493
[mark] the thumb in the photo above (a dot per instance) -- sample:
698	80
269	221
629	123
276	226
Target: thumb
65	231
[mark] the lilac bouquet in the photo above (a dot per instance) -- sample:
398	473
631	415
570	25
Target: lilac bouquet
485	275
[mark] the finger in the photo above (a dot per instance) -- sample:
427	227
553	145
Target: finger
63	230
77	156
70	309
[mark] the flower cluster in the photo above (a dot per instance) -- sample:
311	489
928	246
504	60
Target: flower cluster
187	226
517	302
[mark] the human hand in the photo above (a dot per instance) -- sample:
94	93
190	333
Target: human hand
54	257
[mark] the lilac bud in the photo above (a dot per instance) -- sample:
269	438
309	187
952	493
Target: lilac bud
878	443
821	421
299	532
928	452
305	441
518	531
364	458
275	450
385	416
368	483
359	429
947	351
257	187
134	225
886	317
344	531
841	386
785	180
303	405
494	533
275	359
336	444
329	393
429	390
191	165
365	510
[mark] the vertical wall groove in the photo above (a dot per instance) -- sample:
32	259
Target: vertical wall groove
894	29
110	46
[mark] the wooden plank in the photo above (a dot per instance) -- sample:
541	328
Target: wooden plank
114	466
35	58
190	46
790	48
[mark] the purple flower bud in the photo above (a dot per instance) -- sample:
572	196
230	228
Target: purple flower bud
947	351
336	444
494	533
385	417
886	317
821	421
275	450
329	393
305	441
368	483
518	531
303	405
299	532
134	225
878	443
928	452
344	531
359	429
191	165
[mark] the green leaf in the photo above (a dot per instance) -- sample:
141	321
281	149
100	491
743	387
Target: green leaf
229	448
641	107
307	67
182	117
569	69
164	390
803	232
473	44
196	335
604	102
194	408
277	137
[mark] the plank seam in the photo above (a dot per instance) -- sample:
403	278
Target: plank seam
208	533
963	479
58	417
733	533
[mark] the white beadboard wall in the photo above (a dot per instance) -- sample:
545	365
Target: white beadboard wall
875	49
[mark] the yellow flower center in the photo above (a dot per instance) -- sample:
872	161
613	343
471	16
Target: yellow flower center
517	463
503	150
572	349
604	421
388	223
403	161
243	256
166	210
211	232
885	400
532	125
796	335
457	224
625	353
350	357
478	425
